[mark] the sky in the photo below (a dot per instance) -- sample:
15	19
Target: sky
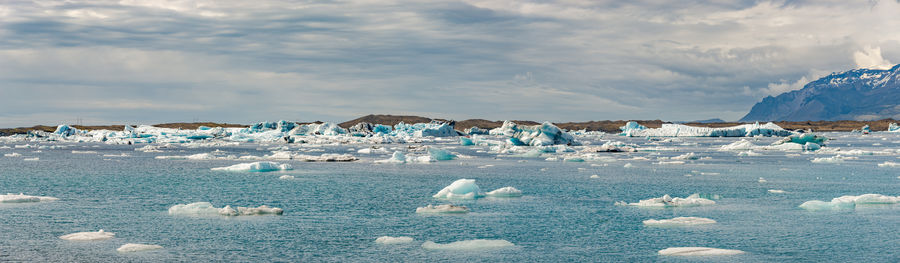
159	61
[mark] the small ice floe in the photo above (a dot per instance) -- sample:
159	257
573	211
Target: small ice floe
508	191
117	155
469	245
776	191
88	236
207	209
833	159
12	155
199	156
595	176
667	201
761	180
286	177
679	221
325	158
84	152
389	240
889	164
33	159
460	189
628	165
445	209
22	198
373	150
849	202
255	167
699	251
686	156
132	247
670	162
398	157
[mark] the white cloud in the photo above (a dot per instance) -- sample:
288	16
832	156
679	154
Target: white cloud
870	57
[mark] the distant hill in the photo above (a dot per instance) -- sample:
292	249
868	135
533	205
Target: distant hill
859	94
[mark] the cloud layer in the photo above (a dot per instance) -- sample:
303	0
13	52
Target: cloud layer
148	61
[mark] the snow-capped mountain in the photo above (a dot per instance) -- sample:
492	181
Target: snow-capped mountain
859	94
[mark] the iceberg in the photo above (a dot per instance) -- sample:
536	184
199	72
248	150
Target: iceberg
679	221
631	126
460	189
326	128
508	191
889	164
389	240
802	139
833	159
465	141
537	135
849	201
132	247
398	157
680	130
441	154
88	236
893	127
207	209
419	130
447	209
12	155
667	201
255	167
469	245
22	198
776	191
286	177
698	251
611	146
477	131
364	129
66	130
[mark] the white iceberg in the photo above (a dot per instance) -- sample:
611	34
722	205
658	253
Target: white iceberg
679	221
389	240
419	130
776	191
680	130
630	127
508	191
889	164
132	247
446	209
286	177
460	189
12	155
699	251
537	135
667	201
849	202
469	245
833	159
255	167
22	198
88	236
207	209
398	157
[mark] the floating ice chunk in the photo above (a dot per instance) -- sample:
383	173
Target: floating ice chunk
207	209
441	154
850	201
628	165
667	201
12	155
699	251
199	156
286	177
595	176
327	157
803	139
452	209
680	130
833	159
88	236
611	146
508	191
388	240
741	145
84	152
22	198
465	141
419	130
670	162
469	245
537	135
776	191
679	221
762	180
372	150
132	247
630	127
749	153
460	189
397	157
31	159
889	164
255	167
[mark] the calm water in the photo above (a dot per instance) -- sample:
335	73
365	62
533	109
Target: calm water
335	211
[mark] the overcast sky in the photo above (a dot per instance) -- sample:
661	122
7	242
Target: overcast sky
154	61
